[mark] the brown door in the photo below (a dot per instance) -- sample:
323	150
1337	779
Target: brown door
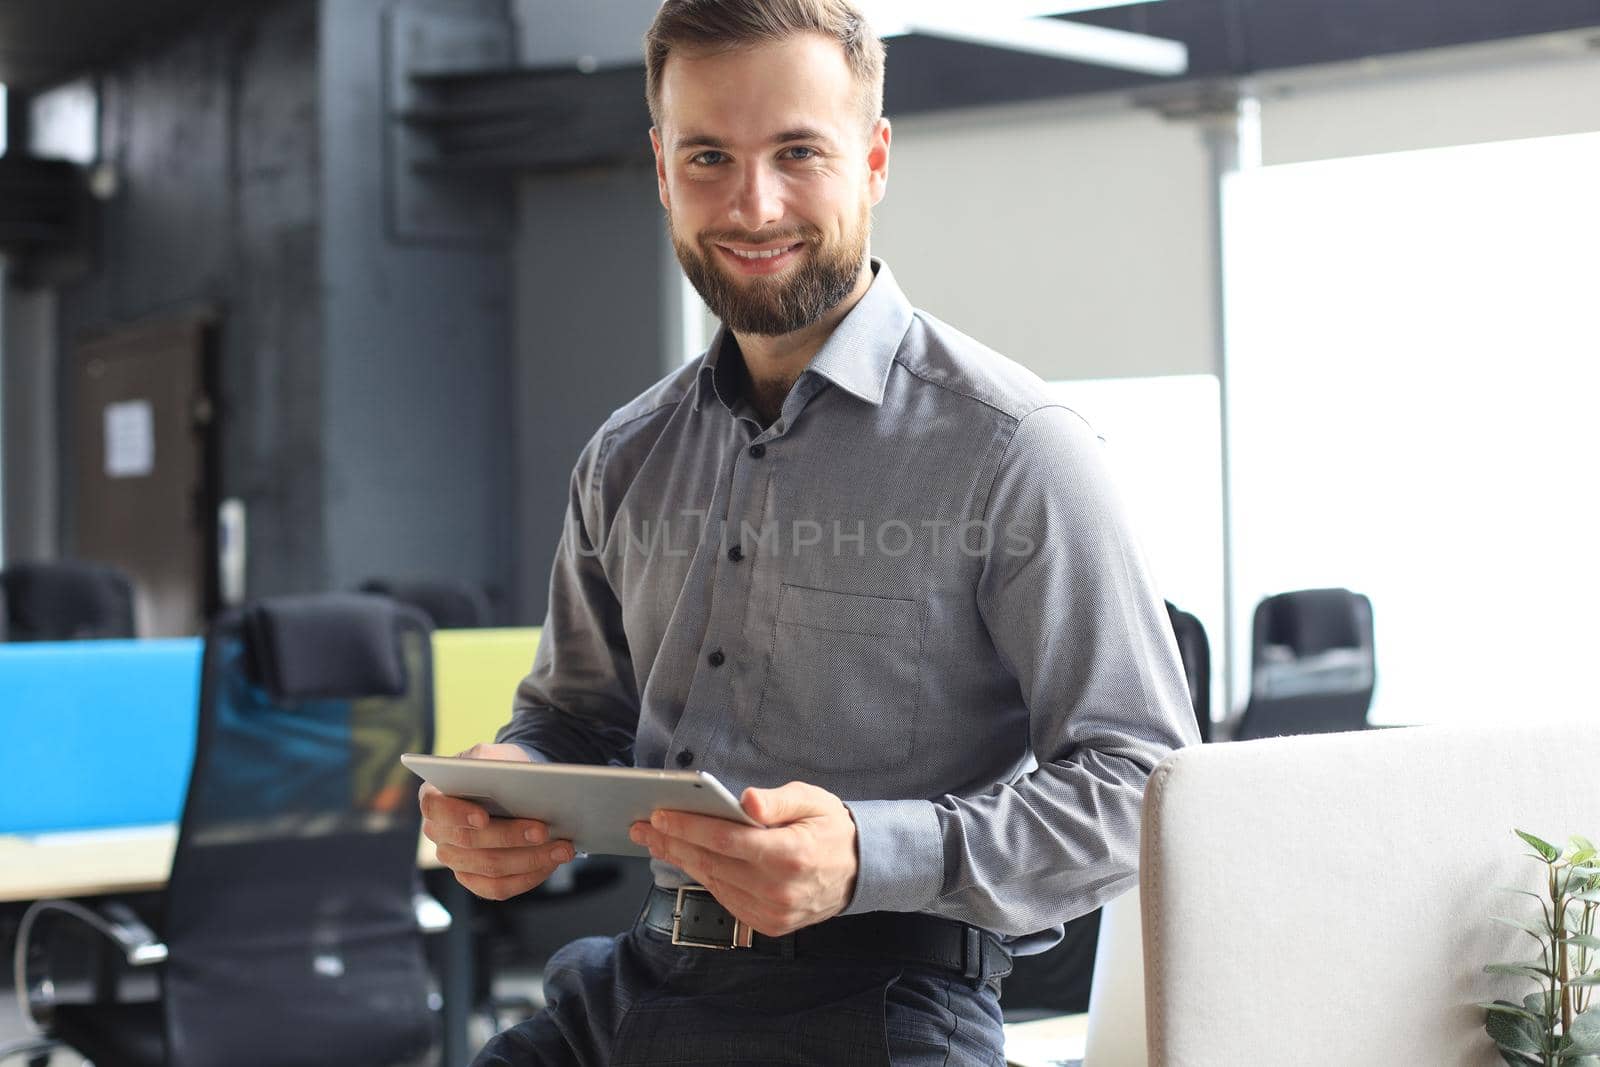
144	502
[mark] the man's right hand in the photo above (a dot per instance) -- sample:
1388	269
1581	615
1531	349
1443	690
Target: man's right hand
494	858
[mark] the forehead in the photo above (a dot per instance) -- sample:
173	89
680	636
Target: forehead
750	92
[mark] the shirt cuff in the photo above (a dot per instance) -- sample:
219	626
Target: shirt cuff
534	755
901	856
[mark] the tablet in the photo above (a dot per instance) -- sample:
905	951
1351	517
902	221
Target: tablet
591	806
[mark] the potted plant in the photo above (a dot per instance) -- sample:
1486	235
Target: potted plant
1553	1026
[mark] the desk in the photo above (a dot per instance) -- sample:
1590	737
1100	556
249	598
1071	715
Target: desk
138	859
94	863
1053	1042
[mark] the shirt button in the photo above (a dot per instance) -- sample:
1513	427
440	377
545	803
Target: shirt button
685	758
757	451
716	659
736	553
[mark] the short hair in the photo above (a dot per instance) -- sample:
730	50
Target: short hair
711	26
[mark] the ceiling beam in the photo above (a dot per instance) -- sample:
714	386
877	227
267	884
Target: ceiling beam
1095	45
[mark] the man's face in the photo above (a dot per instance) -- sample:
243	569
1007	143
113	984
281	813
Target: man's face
769	176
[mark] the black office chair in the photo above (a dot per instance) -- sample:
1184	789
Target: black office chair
1195	651
291	929
1057	980
1312	666
66	600
449	604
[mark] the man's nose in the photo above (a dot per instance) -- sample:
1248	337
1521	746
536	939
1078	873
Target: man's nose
758	201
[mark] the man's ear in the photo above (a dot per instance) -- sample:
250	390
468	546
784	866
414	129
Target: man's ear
878	160
661	168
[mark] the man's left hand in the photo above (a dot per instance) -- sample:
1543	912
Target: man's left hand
797	869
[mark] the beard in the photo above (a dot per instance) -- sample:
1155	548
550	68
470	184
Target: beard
770	306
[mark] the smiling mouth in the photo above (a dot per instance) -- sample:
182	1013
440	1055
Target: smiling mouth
769	253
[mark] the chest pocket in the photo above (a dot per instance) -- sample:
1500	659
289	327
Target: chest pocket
843	681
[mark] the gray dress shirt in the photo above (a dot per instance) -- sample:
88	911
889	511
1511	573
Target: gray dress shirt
916	589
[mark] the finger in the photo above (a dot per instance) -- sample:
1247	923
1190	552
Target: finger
786	804
505	862
723	836
701	864
500	833
502	888
443	808
513	753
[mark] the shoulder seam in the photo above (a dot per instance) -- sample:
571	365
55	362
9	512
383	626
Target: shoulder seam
952	389
608	434
988	497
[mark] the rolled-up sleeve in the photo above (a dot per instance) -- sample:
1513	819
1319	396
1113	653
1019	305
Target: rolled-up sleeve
1076	618
580	702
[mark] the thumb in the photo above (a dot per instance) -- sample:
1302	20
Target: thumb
783	805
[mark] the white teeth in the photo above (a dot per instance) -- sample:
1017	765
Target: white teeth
759	255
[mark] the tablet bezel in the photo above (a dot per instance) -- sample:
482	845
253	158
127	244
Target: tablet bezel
591	806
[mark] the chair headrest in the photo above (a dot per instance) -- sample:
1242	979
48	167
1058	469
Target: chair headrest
1315	620
452	605
328	646
63	600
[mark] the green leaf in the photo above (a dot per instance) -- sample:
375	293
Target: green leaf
1535	970
1545	849
1581	856
1583	940
1585	1032
1583	842
1540	932
1505	1007
1591	895
1517	1059
1512	1029
1585	980
1534	1002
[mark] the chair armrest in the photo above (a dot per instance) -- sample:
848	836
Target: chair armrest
432	918
114	920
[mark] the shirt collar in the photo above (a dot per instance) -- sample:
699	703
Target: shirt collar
856	356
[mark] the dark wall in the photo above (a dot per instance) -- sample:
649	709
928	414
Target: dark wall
27	419
363	377
597	308
213	139
391	406
416	350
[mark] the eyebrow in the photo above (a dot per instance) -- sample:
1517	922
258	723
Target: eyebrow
695	139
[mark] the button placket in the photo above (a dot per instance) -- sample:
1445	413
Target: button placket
739	495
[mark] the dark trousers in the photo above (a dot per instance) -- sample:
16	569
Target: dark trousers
637	999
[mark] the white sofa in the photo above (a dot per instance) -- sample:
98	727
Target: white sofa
1327	899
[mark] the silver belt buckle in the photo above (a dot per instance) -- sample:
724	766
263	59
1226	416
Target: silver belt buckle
741	933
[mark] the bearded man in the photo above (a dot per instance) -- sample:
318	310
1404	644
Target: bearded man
897	610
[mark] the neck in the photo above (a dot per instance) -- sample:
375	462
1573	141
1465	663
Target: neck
773	364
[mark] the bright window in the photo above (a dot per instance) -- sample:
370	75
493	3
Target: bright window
1413	364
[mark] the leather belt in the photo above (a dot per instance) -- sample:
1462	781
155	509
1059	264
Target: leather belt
692	918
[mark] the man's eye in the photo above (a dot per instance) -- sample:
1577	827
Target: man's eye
706	159
800	152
